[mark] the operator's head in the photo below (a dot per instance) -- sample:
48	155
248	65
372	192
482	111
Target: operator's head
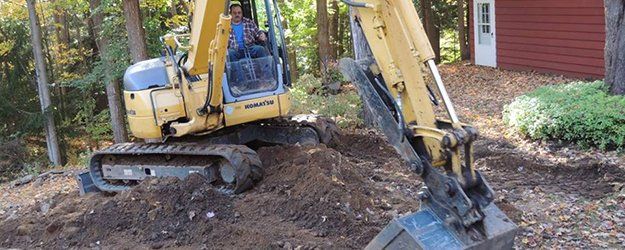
236	11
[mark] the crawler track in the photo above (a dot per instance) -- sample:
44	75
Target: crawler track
244	161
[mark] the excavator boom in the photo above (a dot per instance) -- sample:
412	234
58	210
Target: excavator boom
457	209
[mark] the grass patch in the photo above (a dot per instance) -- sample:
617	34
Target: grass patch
580	112
310	97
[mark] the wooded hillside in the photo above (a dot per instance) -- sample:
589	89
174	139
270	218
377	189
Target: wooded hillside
87	44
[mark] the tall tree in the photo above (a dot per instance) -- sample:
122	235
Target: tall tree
291	52
60	23
432	27
343	40
323	37
334	29
42	82
136	32
462	34
112	83
92	35
615	46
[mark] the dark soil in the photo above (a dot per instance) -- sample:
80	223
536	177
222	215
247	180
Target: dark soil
311	197
339	196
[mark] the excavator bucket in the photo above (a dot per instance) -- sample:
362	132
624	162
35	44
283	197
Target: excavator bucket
434	225
425	230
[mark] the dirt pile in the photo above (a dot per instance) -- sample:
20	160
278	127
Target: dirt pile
311	197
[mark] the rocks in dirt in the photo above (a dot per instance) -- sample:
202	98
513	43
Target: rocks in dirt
301	202
152	214
44	207
157	245
38	182
38	179
25	229
24	180
334	88
70	231
287	245
54	226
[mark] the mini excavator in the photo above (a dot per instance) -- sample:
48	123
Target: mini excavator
199	111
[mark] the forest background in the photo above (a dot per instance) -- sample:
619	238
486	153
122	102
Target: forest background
88	44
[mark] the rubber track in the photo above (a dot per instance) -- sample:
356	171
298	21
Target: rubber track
248	167
326	128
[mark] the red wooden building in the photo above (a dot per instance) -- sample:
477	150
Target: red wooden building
554	36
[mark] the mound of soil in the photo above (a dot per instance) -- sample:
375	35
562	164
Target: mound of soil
310	197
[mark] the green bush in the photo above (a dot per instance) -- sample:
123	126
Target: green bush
309	97
580	112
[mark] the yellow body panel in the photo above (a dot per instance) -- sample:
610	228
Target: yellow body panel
143	127
142	105
285	103
257	109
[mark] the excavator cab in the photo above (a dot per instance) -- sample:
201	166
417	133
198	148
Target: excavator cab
248	75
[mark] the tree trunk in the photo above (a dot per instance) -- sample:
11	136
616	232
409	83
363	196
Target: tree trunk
112	84
60	24
615	46
173	9
136	33
63	38
334	30
92	35
54	153
430	22
462	37
343	23
290	49
323	36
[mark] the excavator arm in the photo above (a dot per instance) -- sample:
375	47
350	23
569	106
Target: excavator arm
205	58
458	209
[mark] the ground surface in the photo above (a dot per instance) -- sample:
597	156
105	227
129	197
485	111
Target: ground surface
341	195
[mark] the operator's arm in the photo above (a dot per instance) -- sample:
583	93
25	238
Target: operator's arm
258	34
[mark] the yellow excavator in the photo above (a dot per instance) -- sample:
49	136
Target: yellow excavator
200	110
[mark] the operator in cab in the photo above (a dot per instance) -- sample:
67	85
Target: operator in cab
244	36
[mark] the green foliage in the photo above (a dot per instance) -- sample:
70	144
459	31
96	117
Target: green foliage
580	112
445	17
17	158
19	105
302	32
96	126
450	47
309	97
